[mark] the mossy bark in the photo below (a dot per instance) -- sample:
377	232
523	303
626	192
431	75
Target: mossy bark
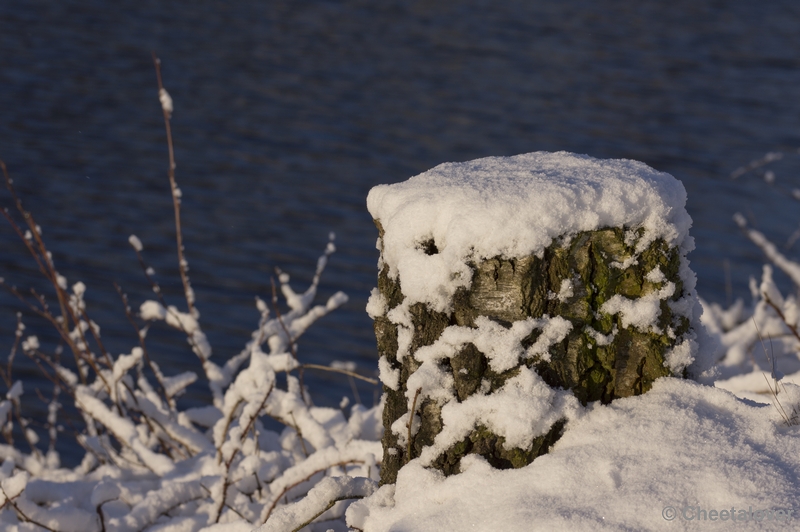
598	266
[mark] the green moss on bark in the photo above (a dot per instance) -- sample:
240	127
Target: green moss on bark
597	265
484	442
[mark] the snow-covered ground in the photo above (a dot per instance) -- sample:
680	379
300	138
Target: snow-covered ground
716	452
683	456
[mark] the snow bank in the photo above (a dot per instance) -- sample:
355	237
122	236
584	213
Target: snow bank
515	207
663	460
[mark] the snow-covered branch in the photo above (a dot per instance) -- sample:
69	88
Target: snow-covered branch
149	462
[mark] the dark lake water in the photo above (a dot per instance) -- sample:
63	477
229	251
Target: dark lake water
287	113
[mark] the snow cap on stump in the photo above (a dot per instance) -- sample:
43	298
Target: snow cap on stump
513	289
514	207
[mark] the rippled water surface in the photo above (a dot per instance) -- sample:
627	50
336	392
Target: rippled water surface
287	113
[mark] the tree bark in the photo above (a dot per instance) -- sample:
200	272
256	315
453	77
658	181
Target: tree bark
598	360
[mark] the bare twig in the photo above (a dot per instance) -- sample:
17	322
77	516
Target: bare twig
44	260
780	314
22	514
292	346
228	422
757	163
6	375
411	415
296	427
161	388
166	107
23	425
97	340
789	420
81	356
226	475
234	510
252	420
338	370
289	339
177	323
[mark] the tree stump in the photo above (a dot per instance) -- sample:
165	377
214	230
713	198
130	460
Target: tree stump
490	352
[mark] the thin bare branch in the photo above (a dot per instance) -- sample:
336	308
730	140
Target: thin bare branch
162	390
338	370
22	514
289	339
780	314
176	193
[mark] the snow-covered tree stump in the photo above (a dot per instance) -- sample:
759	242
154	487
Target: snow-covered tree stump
512	290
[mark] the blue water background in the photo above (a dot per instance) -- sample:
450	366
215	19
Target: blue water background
287	113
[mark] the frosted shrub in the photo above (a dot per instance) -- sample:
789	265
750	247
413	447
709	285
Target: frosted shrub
150	465
761	339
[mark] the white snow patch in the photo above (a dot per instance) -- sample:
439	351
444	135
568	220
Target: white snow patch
388	375
565	291
627	263
135	242
166	101
554	330
524	408
31	343
601	339
13	486
656	275
344	365
376	304
15	392
681	356
642	313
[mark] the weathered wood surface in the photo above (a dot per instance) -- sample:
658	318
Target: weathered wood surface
509	290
